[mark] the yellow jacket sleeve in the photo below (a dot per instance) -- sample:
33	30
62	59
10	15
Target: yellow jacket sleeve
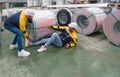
75	38
22	23
72	44
59	27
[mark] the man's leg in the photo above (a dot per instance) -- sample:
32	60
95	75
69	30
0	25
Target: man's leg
18	37
55	39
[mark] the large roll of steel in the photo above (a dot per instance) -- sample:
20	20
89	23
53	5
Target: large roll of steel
111	27
44	18
41	22
89	20
64	16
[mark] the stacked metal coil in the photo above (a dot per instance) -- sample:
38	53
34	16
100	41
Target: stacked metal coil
42	21
89	20
111	27
64	16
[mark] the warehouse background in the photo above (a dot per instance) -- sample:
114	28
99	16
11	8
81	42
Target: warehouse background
94	55
4	4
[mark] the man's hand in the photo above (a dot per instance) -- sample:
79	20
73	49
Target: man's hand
67	46
30	39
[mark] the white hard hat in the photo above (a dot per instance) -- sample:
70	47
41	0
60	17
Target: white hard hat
73	25
29	12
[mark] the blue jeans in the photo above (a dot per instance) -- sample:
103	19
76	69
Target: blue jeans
18	36
54	39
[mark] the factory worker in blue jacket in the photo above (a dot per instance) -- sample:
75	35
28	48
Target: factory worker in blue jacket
17	25
67	38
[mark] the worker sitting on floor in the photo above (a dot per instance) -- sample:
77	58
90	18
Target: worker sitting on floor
17	25
67	38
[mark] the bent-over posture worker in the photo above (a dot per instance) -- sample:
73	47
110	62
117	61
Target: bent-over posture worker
17	25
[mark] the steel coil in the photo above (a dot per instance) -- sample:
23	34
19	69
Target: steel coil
64	16
41	22
111	27
89	20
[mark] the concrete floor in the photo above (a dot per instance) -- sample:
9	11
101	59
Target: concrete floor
94	56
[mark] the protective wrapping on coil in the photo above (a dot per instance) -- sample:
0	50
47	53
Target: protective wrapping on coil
42	21
111	27
89	20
